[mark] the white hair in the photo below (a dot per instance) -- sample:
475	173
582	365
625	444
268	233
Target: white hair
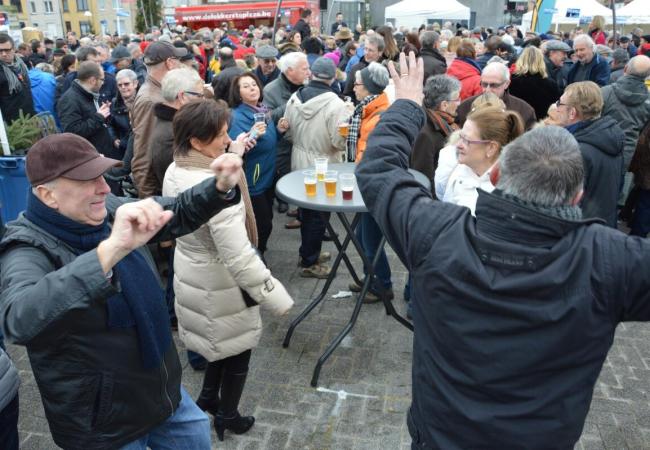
126	73
498	67
291	60
179	80
446	34
507	39
583	39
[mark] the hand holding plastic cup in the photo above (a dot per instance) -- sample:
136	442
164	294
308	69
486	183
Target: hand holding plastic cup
348	181
321	168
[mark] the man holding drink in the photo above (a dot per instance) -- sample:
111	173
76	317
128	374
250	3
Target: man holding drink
307	111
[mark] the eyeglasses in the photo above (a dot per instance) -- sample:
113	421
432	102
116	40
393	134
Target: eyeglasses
195	94
559	103
466	141
485	85
124	84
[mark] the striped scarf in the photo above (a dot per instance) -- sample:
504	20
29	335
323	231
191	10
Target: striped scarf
355	127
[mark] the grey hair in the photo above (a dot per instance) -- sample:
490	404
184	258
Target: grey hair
446	34
428	39
620	56
585	39
133	46
291	60
49	185
639	67
438	89
377	40
179	80
507	39
126	73
378	74
543	166
45	67
499	67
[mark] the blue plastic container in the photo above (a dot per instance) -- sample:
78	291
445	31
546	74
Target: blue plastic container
13	187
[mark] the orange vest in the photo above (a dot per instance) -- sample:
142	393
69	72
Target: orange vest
369	119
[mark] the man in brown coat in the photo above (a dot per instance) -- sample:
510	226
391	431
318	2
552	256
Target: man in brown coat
496	79
160	57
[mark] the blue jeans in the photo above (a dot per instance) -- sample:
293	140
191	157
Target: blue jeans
9	426
312	229
641	219
187	429
369	234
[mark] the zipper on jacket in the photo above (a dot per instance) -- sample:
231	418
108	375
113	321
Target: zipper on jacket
256	173
169	399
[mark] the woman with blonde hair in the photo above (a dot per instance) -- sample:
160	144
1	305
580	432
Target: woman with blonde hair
450	52
595	30
484	134
530	82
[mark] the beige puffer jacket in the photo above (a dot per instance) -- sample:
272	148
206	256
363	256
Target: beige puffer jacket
210	266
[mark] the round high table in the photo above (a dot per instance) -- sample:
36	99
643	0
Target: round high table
291	189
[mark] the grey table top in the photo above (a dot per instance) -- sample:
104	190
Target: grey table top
291	189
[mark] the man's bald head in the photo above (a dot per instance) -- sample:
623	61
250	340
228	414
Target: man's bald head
638	66
225	53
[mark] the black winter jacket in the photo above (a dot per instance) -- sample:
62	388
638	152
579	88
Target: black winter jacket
538	92
107	92
12	104
434	63
78	114
514	311
95	391
601	145
120	122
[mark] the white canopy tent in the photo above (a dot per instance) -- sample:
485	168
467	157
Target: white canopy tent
637	11
571	11
413	13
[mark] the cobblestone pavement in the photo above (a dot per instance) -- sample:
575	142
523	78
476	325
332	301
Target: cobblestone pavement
373	367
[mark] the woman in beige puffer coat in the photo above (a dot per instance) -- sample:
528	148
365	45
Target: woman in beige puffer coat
220	282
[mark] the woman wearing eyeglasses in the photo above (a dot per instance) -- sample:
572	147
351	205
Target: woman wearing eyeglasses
484	134
466	70
259	163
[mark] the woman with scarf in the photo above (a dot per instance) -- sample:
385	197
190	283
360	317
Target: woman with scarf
15	90
369	86
466	70
441	98
219	280
259	162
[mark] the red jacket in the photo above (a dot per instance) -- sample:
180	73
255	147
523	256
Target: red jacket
469	77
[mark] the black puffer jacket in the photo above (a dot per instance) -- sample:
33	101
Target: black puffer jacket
601	145
434	63
95	391
514	311
78	114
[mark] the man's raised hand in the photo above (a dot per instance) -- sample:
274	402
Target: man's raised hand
409	82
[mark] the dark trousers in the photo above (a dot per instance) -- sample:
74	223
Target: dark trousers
369	235
263	210
9	426
312	229
641	219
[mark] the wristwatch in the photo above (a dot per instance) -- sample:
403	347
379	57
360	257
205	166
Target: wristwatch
228	195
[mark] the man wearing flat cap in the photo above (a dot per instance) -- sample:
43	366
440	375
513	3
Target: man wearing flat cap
160	57
80	291
555	57
267	67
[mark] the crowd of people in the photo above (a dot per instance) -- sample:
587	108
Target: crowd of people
177	138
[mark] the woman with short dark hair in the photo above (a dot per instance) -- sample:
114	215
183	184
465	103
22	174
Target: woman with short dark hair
259	162
219	279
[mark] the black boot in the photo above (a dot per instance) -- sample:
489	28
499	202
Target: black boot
228	417
209	397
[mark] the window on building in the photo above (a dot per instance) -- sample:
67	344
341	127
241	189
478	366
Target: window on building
66	7
32	6
49	8
84	27
18	5
82	5
68	26
102	4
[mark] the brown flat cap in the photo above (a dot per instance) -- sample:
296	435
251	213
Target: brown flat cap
65	155
159	51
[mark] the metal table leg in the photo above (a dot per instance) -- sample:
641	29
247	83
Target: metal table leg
341	247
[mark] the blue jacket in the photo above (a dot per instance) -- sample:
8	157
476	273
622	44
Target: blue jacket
599	72
361	51
259	162
43	87
514	311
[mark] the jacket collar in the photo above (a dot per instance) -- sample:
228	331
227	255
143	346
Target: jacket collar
504	220
80	87
164	112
